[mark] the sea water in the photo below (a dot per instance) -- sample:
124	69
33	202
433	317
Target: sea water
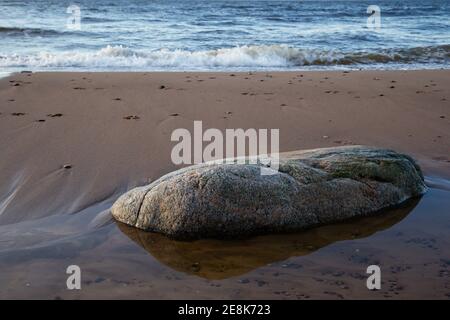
169	35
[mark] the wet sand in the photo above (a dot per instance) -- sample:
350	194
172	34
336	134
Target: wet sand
73	142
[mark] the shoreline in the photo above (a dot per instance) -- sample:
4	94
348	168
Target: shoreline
242	70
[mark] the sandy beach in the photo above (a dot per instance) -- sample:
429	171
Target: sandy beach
73	142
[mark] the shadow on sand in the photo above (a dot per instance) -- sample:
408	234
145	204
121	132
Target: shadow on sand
220	259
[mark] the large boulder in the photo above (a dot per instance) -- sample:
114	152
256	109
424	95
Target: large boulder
312	187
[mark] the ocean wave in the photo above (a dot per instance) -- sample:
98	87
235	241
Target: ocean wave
16	31
263	56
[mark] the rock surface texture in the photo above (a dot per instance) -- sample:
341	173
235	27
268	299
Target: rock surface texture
312	187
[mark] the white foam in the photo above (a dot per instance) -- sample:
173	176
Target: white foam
121	57
4	74
263	56
270	56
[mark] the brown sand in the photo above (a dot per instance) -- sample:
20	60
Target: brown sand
112	131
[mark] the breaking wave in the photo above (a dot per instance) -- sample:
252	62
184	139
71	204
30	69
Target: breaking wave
263	56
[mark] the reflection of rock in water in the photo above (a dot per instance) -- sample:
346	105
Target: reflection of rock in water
220	259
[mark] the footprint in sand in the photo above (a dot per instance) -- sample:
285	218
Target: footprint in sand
131	118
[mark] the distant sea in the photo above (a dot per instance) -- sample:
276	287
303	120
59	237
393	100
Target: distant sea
169	35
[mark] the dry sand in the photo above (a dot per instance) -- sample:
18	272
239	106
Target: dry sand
112	132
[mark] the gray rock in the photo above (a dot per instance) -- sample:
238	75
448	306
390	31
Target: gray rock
312	187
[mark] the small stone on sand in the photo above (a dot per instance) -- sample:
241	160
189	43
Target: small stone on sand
131	118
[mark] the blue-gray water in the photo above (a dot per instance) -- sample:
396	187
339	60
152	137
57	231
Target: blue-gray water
223	35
